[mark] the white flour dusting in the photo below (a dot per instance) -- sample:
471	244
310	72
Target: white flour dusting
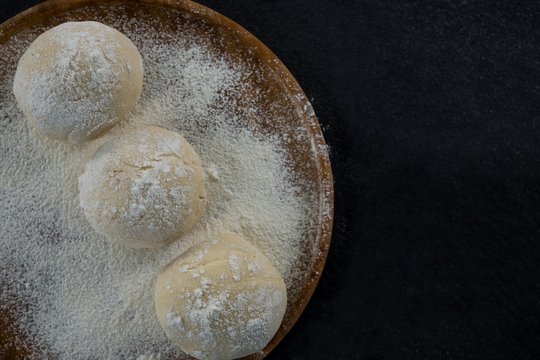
78	79
228	312
89	299
144	188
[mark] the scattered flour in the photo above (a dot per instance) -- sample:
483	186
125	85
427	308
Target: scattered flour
85	298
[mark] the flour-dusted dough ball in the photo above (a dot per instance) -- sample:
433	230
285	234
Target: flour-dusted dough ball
78	79
221	299
144	188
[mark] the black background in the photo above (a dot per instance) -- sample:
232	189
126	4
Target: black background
432	113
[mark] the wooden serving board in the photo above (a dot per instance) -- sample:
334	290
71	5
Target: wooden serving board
308	157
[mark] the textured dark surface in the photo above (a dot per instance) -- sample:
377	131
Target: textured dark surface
432	111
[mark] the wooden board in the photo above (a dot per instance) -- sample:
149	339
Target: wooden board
308	156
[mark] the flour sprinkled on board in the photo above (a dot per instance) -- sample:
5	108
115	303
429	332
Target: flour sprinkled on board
86	298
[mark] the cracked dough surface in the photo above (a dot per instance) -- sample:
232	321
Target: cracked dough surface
143	189
221	299
78	79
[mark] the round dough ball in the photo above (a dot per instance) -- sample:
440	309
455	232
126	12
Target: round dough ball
221	299
143	189
78	79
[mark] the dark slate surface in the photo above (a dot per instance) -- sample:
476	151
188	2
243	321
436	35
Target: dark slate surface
432	111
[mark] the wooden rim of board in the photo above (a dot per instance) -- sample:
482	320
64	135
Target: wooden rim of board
40	12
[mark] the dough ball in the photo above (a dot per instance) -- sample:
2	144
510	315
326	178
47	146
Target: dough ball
78	79
143	189
221	299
